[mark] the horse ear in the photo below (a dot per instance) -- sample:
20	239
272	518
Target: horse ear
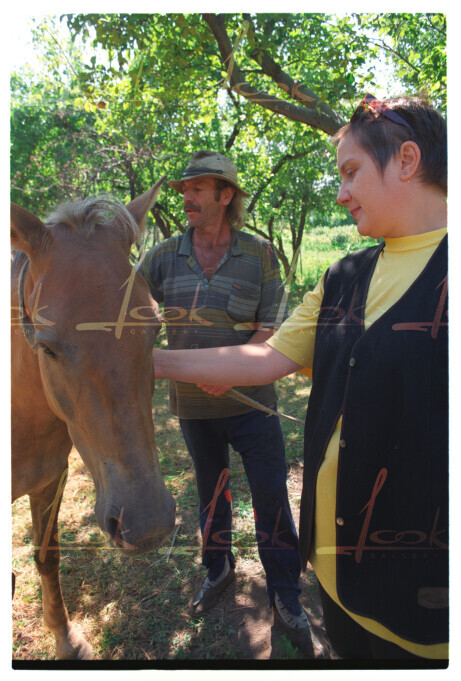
28	233
142	204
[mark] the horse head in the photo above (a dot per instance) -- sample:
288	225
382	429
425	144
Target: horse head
92	324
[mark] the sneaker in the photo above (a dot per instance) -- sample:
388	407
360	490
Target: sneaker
209	591
297	627
287	619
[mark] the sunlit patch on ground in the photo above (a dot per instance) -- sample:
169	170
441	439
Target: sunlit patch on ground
136	608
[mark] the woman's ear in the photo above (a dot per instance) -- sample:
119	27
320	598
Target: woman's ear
410	157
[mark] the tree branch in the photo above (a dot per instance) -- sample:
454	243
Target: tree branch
163	219
238	126
298	234
256	230
315	119
282	257
388	48
278	166
300	93
443	33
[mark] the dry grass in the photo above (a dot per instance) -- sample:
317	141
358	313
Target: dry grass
134	608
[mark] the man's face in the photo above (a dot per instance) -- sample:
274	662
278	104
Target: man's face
205	206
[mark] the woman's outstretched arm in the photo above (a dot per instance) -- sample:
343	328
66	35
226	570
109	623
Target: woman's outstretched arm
250	364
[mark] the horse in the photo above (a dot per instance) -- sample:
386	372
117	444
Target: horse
83	330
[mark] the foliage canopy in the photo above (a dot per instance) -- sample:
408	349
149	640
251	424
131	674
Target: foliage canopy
129	97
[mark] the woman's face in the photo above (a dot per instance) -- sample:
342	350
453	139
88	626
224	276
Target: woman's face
373	199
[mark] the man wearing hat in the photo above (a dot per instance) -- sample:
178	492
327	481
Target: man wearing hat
220	286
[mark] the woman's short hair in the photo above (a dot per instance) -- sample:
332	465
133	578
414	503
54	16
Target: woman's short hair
381	137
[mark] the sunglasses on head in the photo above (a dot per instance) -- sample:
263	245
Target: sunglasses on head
370	102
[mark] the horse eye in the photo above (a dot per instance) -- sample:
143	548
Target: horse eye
47	351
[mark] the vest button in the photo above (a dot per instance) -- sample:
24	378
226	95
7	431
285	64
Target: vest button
352	362
340	521
342	444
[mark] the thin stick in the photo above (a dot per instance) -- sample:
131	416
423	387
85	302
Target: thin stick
172	543
243	607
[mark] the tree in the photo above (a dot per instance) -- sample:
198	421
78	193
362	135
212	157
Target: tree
145	91
302	66
415	44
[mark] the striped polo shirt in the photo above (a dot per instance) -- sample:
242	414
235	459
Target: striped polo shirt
243	295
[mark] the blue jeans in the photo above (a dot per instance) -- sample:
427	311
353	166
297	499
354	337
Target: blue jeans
258	439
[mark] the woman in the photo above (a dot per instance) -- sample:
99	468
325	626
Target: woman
374	509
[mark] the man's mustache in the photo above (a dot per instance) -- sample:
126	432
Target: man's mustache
191	206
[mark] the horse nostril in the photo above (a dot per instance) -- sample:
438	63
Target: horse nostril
111	525
119	535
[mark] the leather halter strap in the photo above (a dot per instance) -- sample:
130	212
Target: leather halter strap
26	322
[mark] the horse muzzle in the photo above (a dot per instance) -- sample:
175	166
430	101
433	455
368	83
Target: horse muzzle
135	533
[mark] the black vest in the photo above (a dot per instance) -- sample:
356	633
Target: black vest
390	385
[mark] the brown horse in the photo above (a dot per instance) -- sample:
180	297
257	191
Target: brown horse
82	374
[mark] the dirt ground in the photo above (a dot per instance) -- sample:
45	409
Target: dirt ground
127	616
243	607
254	634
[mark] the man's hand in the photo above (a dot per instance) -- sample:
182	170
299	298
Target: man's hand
215	390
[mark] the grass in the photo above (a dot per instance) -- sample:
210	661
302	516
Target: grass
135	608
287	650
322	246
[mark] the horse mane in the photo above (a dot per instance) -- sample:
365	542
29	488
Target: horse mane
86	215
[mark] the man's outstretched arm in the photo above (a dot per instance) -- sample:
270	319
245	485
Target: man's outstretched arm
250	364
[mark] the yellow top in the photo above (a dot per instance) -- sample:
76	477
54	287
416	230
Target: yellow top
399	264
